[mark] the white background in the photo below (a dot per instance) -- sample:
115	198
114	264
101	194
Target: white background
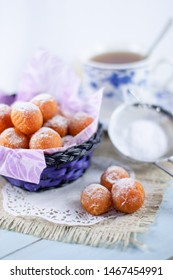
67	27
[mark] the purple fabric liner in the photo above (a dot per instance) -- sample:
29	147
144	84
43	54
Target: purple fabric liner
7	99
53	177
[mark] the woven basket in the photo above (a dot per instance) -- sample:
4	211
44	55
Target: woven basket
63	167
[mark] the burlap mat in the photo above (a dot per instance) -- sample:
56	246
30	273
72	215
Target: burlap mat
123	229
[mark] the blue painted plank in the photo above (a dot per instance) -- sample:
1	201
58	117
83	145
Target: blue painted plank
46	249
11	241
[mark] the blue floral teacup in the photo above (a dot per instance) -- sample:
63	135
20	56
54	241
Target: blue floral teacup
116	72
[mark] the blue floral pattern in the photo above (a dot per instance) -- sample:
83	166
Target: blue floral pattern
115	82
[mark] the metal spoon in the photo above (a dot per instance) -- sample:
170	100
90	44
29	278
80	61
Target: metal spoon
160	37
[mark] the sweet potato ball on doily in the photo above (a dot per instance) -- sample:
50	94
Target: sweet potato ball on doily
127	195
111	174
96	199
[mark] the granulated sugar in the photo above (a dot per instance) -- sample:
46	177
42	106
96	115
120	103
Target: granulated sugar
144	140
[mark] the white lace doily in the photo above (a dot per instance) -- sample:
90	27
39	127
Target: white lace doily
62	205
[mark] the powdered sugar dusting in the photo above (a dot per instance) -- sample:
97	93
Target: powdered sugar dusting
44	97
95	191
4	109
57	121
114	173
97	198
43	132
125	183
112	177
114	168
123	187
14	138
25	107
81	116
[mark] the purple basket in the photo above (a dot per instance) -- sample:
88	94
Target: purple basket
63	167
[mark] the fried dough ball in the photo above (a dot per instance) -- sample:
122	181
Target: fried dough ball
96	199
26	117
47	105
14	139
59	124
111	174
79	122
45	138
5	117
127	195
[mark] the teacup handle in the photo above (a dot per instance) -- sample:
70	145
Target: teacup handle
158	64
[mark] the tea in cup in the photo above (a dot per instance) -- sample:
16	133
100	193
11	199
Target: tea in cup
115	70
